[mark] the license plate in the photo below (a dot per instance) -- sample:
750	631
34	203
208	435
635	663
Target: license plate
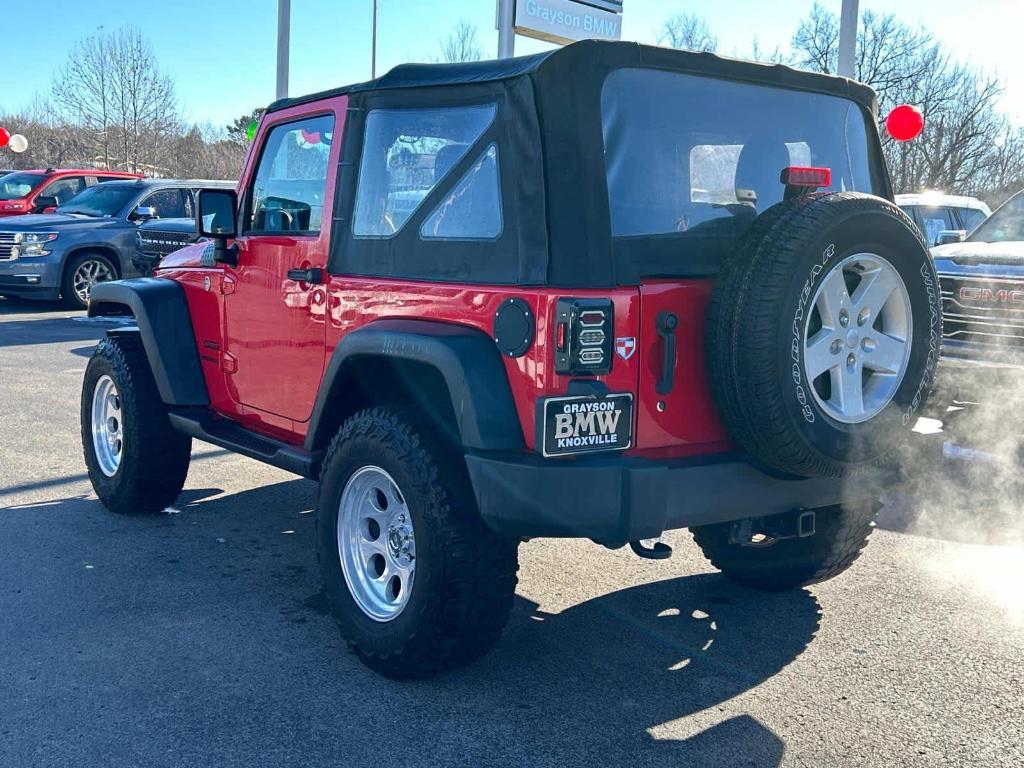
587	424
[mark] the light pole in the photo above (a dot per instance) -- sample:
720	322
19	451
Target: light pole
373	50
506	33
284	24
847	38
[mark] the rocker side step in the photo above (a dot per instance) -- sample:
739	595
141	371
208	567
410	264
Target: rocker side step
229	435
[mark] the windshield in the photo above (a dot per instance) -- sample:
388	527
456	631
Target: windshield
102	200
16	185
1003	226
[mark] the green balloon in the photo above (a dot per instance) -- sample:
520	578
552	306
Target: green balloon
250	132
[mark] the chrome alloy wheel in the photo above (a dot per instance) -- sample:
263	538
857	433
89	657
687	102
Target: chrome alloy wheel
88	273
376	543
856	341
107	426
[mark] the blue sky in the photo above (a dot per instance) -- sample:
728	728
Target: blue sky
221	53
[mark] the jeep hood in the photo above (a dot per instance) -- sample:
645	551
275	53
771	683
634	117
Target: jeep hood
57	222
188	256
981	253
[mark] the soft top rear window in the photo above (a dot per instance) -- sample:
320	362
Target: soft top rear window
698	158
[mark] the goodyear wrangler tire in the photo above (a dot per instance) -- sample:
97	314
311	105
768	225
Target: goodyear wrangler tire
417	583
824	331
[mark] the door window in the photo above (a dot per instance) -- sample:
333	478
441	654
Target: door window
288	191
64	189
406	153
167	204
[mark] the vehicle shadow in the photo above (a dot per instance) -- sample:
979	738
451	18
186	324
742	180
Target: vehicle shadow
28	306
644	675
50	330
597	679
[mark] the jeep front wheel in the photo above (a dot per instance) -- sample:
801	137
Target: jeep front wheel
756	560
137	463
416	581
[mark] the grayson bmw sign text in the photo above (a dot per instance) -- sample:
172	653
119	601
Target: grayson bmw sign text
583	424
992	296
565	21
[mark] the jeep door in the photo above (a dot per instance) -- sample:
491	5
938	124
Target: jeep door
275	324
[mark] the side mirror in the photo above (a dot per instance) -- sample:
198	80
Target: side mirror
948	236
144	213
216	218
45	204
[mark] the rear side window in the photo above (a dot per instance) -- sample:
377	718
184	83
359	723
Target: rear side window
406	154
167	204
472	210
698	155
288	190
64	189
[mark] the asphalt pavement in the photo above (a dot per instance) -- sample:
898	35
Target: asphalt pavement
200	637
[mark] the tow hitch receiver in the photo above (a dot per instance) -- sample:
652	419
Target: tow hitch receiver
765	531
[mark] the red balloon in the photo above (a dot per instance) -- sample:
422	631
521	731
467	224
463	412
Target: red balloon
5	136
905	122
310	137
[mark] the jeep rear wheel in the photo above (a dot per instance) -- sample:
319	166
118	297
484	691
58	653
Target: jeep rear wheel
416	581
763	563
824	333
137	463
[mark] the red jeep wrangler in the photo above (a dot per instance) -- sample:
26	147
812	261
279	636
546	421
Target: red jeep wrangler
602	292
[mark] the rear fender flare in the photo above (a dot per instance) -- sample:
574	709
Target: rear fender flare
467	359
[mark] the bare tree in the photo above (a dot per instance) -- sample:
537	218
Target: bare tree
461	44
111	89
689	31
967	146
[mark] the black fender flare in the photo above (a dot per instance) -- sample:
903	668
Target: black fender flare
161	314
466	358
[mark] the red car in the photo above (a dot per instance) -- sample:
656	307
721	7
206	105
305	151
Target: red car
602	292
24	192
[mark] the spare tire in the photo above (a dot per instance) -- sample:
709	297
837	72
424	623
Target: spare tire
824	330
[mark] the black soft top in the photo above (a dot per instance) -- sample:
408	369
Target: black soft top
552	175
597	58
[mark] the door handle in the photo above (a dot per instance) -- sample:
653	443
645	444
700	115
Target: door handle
666	324
312	275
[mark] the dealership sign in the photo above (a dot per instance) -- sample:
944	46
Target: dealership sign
565	21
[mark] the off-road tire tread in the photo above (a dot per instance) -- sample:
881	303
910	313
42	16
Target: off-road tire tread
479	566
151	478
839	550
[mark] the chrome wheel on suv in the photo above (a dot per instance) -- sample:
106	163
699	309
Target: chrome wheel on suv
376	543
857	338
87	274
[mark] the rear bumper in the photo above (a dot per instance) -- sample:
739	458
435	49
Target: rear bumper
614	501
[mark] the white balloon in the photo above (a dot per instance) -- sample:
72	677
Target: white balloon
18	143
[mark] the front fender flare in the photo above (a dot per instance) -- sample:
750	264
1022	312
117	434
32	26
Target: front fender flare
161	313
466	358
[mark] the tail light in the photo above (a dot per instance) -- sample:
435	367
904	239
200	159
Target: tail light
800	176
583	336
